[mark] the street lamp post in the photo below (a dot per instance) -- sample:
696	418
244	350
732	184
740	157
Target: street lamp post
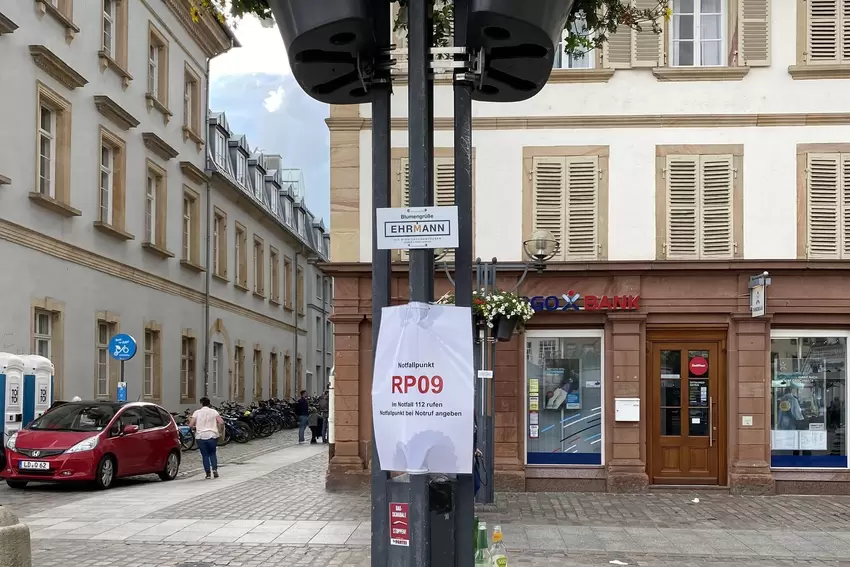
540	247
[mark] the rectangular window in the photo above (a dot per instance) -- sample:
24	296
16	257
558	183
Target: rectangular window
564	396
155	204
258	374
319	288
238	385
287	376
43	333
827	23
241	260
827	206
102	360
219	251
567	201
273	196
47	151
191	102
258	185
151	376
274	274
110	13
157	66
328	337
191	228
150	208
220	149
318	336
698	38
111	195
581	60
287	212
53	146
217	371
259	266
241	170
299	289
702	203
287	283
187	369
808	399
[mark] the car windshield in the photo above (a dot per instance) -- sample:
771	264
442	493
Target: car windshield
75	417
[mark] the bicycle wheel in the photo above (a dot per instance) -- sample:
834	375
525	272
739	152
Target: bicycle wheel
240	434
187	439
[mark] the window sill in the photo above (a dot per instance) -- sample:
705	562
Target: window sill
106	60
259	295
113	231
46	7
690	74
190	134
241	286
301	313
154	102
157	250
809	72
581	75
5	180
288	307
221	278
52	204
274	302
192	266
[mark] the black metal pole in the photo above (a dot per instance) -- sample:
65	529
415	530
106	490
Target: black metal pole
421	154
381	276
465	506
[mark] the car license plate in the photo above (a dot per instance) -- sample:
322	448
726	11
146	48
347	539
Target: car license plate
34	465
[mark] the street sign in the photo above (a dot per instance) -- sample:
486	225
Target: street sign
122	347
122	392
417	229
423	391
758	294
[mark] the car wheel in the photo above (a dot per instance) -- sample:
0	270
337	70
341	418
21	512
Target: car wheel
172	466
18	484
105	473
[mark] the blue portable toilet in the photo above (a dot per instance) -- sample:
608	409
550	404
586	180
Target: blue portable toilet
38	386
11	393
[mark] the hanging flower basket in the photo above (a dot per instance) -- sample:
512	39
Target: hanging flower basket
504	312
505	327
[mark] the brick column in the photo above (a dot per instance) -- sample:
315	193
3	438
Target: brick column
509	471
347	470
749	382
625	378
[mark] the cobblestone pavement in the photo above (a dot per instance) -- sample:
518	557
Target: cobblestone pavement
40	497
271	509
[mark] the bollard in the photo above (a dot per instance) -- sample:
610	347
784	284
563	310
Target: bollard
14	541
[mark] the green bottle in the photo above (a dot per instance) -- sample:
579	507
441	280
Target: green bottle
498	553
482	550
475	532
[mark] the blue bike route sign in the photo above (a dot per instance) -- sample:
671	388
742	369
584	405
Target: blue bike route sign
122	347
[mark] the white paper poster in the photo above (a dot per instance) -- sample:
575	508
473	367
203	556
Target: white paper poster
813	440
423	391
785	440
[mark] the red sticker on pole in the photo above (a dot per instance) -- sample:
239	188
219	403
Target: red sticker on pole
399	524
698	366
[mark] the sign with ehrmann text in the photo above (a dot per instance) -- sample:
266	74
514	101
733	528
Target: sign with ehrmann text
419	228
423	390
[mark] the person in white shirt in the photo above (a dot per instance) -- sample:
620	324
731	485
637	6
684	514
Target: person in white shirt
208	425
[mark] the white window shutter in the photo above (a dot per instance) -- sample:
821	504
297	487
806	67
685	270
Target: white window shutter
582	220
444	190
844	184
717	181
647	46
823	207
549	198
845	31
404	181
617	51
823	26
682	181
754	33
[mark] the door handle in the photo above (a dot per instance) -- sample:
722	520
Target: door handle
711	421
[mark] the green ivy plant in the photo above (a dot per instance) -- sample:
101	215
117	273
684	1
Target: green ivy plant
602	17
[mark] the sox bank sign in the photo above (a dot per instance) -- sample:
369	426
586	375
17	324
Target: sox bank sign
573	301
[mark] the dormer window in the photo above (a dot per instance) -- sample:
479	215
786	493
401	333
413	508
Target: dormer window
258	185
287	212
275	207
241	170
220	149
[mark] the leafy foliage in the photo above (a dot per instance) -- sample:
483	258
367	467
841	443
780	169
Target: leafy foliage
602	17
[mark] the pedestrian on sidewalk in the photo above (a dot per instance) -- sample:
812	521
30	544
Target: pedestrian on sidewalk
314	421
303	408
324	404
208	426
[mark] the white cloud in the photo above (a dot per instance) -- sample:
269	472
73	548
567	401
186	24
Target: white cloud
275	99
261	52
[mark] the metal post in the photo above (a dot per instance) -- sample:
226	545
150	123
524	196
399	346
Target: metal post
421	152
381	275
465	499
486	392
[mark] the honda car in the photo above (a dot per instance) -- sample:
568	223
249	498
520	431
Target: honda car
94	442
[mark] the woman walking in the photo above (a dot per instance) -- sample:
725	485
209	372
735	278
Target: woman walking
208	427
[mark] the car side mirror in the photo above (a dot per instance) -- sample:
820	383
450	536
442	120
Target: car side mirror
128	429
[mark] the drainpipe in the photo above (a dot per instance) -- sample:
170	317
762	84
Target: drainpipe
324	329
208	273
297	305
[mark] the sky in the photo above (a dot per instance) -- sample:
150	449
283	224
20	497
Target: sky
254	87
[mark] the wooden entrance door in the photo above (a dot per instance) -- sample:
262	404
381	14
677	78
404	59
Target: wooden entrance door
687	437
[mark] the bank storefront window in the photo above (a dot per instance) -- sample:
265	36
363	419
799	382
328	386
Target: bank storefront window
808	393
563	393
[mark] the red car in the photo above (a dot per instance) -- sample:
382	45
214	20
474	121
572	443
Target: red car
94	442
